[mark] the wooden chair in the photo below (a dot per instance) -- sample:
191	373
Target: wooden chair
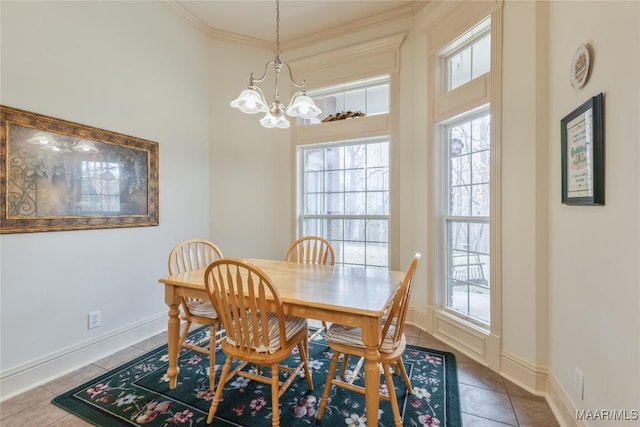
347	340
193	255
311	250
257	330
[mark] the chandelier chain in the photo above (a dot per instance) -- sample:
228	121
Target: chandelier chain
278	29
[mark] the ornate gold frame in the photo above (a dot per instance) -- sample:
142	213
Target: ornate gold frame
58	175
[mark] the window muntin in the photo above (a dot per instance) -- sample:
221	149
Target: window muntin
345	198
370	96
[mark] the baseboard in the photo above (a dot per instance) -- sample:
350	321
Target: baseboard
532	378
420	319
40	371
535	379
561	405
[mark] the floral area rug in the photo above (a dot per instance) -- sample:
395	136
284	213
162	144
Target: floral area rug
137	393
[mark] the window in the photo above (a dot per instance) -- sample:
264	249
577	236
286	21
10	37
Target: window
344	197
465	150
470	60
466	223
369	96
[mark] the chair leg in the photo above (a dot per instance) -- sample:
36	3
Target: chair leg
324	329
219	333
275	396
392	395
183	336
212	357
327	385
345	362
302	348
216	397
405	377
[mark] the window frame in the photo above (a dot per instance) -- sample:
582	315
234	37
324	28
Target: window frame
446	217
355	62
301	193
442	36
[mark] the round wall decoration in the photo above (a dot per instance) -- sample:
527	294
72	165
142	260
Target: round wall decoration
579	67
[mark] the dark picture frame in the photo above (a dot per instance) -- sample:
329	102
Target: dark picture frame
57	175
582	141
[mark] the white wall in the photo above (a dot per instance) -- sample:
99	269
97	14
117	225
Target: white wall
128	67
595	251
250	165
570	273
524	164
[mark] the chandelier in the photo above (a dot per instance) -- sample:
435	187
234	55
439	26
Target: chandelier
252	100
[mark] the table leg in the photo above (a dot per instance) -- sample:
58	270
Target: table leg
371	339
173	332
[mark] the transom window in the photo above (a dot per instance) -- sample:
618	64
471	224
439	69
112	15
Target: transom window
471	59
345	198
369	96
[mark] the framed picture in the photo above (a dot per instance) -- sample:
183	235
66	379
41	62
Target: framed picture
582	137
59	175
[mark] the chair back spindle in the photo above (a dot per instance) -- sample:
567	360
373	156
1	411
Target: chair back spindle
311	250
244	298
193	255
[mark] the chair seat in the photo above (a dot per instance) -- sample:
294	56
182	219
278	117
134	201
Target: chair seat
202	308
292	325
352	336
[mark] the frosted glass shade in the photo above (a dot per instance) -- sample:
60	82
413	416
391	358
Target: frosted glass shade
250	102
303	107
271	121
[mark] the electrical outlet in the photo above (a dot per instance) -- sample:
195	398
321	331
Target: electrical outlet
94	319
578	383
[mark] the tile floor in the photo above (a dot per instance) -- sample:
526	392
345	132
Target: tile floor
487	399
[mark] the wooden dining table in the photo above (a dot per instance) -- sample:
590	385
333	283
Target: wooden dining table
348	295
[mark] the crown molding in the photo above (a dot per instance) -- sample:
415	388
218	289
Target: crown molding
351	53
214	33
227	36
179	10
404	11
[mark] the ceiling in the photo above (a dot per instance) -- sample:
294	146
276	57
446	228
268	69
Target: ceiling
299	19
